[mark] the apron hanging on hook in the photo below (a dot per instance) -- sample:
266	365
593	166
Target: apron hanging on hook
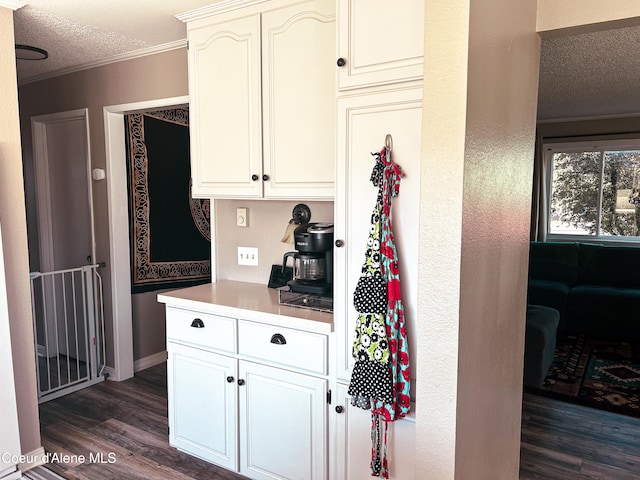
380	380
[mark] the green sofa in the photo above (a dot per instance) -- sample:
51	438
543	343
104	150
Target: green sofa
595	288
539	343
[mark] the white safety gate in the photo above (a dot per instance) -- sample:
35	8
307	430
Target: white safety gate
68	325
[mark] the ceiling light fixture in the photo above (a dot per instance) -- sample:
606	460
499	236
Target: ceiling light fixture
27	52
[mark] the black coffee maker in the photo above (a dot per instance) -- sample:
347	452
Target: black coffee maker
313	260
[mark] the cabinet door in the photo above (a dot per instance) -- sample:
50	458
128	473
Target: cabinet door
298	45
203	404
363	122
282	424
381	41
225	99
351	434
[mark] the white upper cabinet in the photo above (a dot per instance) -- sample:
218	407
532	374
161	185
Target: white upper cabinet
262	101
299	89
225	108
379	42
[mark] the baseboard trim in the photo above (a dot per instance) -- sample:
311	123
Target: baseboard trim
33	459
140	364
149	361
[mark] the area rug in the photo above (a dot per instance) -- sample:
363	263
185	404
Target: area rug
596	373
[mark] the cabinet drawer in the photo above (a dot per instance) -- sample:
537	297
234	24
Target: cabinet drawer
293	348
201	329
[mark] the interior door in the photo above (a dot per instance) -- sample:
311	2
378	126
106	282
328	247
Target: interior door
63	189
65	221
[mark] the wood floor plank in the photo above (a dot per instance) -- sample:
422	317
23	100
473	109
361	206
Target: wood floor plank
560	441
603	471
127	420
105	458
602	443
54	411
154	447
144	420
131	394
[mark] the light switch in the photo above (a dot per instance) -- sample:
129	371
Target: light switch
242	219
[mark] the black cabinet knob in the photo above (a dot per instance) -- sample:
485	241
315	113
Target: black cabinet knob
265	177
339	409
341	62
230	379
240	382
254	177
339	243
197	323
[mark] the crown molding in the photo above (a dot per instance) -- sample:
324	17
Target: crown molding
217	8
165	47
12	4
609	116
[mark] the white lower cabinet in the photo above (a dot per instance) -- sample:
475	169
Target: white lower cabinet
282	424
202	404
246	413
351	442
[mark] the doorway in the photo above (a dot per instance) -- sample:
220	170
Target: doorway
65	289
119	247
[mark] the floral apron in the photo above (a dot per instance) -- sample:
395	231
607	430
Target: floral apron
381	377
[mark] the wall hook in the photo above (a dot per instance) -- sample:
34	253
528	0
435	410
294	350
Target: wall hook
388	142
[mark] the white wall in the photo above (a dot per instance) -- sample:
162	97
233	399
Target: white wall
268	220
10	438
14	242
480	93
481	71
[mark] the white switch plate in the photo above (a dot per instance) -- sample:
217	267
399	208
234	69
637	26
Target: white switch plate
248	256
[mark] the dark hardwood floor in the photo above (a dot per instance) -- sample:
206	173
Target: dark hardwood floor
127	422
563	441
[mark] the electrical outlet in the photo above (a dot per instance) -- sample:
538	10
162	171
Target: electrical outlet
248	256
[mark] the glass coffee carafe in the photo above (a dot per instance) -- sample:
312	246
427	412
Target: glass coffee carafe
307	267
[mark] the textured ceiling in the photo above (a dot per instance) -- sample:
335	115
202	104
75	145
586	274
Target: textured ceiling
588	75
80	32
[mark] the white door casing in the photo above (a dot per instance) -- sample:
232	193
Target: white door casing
119	250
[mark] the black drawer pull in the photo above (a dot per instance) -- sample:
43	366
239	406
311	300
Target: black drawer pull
197	323
278	339
230	379
240	381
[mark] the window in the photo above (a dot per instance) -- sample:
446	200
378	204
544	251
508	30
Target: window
595	190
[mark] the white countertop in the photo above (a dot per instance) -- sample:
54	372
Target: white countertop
249	301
